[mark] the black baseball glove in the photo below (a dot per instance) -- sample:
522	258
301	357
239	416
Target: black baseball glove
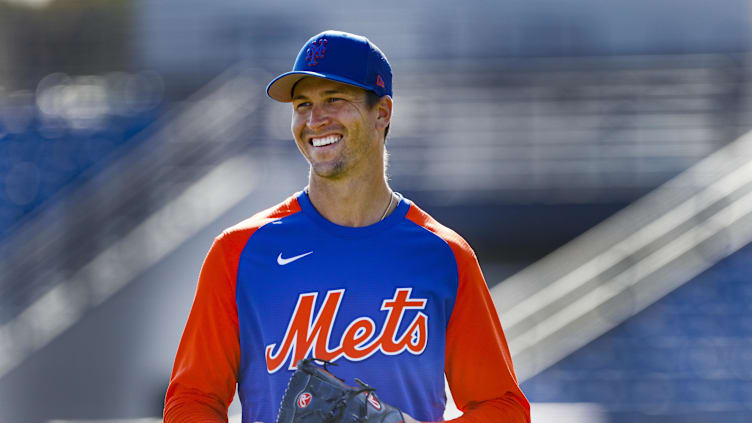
314	395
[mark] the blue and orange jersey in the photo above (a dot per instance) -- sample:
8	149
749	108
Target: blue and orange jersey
398	304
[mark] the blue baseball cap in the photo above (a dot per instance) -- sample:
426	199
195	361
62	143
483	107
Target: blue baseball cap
338	56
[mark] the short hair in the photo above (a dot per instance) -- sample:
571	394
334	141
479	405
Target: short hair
372	99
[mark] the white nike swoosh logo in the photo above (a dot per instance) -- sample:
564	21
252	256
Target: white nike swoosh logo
283	261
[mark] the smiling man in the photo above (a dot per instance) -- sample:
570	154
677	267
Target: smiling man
346	270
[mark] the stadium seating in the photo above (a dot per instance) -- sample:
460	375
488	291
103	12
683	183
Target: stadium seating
690	352
70	128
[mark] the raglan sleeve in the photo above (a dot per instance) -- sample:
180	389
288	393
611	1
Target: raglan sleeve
206	366
478	364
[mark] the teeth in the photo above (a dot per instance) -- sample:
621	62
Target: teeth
318	142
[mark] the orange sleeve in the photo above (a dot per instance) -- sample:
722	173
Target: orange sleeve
208	359
478	363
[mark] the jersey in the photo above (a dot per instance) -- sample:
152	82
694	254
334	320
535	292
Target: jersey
398	304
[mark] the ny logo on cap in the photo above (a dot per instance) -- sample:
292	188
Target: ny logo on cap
315	52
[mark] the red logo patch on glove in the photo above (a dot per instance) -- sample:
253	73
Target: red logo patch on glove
374	402
304	399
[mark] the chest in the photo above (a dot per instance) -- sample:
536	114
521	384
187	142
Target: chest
344	298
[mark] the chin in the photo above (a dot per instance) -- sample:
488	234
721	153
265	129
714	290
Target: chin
329	170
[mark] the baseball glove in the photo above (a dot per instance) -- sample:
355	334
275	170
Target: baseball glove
314	395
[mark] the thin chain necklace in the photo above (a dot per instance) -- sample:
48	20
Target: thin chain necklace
389	206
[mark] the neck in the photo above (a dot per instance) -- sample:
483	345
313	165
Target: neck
350	202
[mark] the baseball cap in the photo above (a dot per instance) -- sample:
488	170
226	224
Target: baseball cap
338	56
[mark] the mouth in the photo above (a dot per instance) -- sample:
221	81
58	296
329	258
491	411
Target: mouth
324	141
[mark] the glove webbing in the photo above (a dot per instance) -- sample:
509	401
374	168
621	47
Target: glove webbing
340	403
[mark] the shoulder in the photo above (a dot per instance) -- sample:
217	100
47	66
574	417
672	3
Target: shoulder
237	235
461	249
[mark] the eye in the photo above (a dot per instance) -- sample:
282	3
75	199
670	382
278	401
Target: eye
302	104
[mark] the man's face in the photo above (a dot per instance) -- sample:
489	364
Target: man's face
334	128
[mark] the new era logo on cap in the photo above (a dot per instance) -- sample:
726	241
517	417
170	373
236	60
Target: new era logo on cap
379	81
338	56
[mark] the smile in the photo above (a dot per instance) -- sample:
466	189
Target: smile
322	141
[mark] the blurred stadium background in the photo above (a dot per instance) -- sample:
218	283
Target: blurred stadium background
594	154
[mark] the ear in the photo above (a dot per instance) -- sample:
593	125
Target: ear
384	110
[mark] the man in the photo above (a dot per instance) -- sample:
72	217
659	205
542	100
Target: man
346	270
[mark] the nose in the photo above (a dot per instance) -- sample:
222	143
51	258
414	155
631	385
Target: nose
318	117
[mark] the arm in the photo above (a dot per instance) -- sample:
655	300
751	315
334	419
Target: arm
478	363
206	365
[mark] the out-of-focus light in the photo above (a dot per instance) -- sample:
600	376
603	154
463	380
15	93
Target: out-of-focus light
35	4
81	101
85	102
48	93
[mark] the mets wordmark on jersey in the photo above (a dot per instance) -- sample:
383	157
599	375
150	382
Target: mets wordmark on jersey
309	331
